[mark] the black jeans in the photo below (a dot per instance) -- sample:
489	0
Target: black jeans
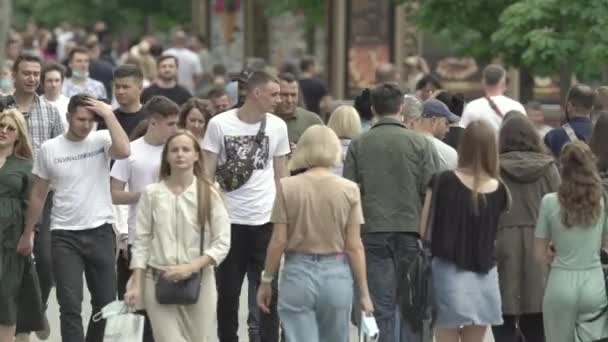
123	273
247	252
530	325
42	250
90	252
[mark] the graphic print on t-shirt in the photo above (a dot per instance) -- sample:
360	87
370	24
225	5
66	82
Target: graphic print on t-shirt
238	147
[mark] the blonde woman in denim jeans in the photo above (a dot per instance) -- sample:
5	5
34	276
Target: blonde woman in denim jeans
317	217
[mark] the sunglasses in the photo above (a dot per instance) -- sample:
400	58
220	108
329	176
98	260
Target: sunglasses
7	127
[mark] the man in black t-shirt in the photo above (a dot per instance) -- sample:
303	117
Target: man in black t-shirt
166	83
313	88
128	84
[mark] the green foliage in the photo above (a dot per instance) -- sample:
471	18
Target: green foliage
119	14
547	35
467	25
313	10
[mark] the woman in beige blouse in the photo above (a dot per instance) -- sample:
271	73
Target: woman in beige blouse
167	242
317	217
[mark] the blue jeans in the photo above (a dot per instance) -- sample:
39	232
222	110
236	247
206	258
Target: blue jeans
382	253
315	297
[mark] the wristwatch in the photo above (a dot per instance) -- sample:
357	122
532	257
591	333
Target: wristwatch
266	278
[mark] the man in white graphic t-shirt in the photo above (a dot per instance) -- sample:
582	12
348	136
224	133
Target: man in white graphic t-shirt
77	166
234	135
494	105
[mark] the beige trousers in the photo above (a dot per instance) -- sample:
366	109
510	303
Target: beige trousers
183	323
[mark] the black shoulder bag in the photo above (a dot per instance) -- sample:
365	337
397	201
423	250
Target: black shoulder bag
234	173
187	291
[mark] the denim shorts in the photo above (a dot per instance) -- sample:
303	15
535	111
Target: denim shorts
462	298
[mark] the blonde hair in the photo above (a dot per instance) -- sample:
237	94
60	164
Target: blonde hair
345	121
23	146
319	146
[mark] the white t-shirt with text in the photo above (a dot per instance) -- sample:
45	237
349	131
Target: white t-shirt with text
480	109
79	173
229	137
138	171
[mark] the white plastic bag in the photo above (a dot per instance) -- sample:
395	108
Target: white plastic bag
369	329
121	324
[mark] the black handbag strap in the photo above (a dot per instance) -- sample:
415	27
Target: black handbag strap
428	231
259	138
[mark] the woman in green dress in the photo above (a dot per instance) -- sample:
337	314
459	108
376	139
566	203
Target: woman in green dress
15	171
570	232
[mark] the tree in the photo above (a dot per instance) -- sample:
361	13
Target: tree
120	15
550	36
5	22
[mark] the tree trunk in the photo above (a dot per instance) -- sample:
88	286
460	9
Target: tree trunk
565	81
526	85
5	24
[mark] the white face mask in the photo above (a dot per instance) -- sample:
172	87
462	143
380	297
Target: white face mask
80	75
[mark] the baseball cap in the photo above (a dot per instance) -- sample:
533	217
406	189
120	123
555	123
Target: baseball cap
433	108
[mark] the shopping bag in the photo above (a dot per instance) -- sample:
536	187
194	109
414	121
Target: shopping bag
122	325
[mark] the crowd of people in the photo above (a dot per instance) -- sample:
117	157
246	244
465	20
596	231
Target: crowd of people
167	198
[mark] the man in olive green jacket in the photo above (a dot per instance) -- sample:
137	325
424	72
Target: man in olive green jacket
392	165
297	119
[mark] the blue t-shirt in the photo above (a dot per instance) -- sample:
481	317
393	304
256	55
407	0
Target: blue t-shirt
556	138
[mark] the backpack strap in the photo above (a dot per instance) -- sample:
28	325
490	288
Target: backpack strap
494	107
571	134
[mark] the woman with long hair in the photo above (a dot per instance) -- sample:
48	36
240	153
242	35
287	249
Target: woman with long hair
194	115
529	171
15	170
464	206
173	216
345	122
570	232
317	220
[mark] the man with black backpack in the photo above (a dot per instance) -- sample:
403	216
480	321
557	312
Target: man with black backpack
246	150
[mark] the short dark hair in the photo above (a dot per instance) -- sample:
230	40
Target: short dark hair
287	77
165	57
455	102
386	99
219	69
52	67
204	106
493	74
161	106
216	92
581	96
260	77
428	79
78	100
306	63
128	70
78	49
25	58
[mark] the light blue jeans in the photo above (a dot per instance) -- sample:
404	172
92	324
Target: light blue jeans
315	297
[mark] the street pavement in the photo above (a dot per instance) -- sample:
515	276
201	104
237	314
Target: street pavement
53	315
